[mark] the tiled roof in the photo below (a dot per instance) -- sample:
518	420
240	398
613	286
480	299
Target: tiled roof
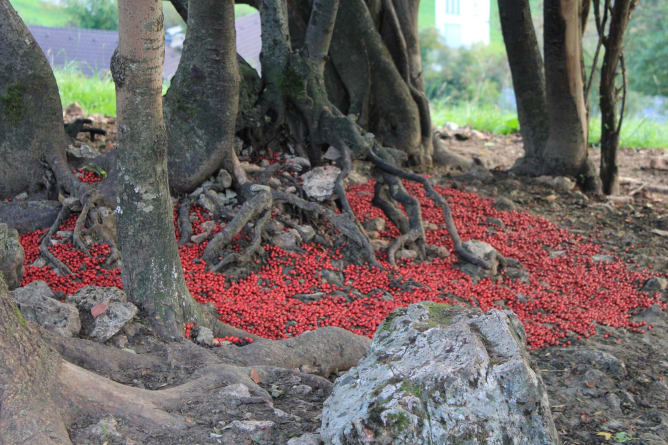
92	49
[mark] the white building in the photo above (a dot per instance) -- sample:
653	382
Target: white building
463	22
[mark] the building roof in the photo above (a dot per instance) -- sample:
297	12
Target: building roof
91	49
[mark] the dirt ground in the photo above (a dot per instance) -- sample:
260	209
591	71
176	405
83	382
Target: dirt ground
607	389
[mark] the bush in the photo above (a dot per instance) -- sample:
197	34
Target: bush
93	14
462	75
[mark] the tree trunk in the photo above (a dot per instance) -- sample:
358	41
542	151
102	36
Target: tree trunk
363	77
566	147
151	267
528	74
610	126
28	375
31	115
200	107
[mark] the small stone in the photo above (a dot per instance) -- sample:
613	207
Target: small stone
209	226
379	244
307	233
503	203
562	184
205	336
602	258
332	154
287	240
430	226
199	238
496	222
438	251
377	224
37	303
74	109
406	254
255	188
21	196
580	198
655	284
305	439
301	389
355	178
319	182
557	253
106	325
106	428
224	179
12	256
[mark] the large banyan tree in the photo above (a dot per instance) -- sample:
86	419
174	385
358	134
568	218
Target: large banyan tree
334	74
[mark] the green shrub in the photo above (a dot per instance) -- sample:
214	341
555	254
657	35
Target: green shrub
93	14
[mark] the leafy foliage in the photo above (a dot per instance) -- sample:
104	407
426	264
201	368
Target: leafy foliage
93	14
647	48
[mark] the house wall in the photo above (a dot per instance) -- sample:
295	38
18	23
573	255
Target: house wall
463	22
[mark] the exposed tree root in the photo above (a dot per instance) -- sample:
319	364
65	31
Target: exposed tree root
45	241
185	225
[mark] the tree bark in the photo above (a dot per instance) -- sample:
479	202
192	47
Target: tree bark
151	267
528	74
31	116
610	125
200	108
566	145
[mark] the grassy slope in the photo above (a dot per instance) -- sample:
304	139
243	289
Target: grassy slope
36	12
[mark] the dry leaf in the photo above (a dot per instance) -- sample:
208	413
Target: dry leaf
255	376
98	309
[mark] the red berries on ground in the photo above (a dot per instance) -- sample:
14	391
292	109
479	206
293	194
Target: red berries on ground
563	294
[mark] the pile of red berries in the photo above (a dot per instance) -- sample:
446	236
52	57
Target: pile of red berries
564	299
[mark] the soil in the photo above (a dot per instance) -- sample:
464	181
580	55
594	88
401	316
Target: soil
605	389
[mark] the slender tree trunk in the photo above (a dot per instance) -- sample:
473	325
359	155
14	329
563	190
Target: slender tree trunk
31	116
528	76
151	269
201	105
566	146
610	125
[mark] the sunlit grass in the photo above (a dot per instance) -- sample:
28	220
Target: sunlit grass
636	132
42	13
95	94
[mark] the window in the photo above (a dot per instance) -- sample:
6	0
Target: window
452	7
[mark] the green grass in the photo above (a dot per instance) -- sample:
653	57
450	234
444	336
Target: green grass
95	94
481	117
636	133
36	12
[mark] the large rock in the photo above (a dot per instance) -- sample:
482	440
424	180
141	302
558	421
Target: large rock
319	183
12	256
484	251
28	216
37	303
438	374
104	310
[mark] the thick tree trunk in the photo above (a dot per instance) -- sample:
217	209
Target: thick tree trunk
528	74
151	269
31	116
364	78
610	127
566	147
28	374
200	108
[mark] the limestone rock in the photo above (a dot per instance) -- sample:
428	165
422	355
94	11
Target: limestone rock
438	374
205	336
319	182
112	311
224	179
12	256
37	303
261	432
480	249
287	240
504	203
305	439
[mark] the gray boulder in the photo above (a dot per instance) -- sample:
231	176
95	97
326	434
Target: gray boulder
319	182
12	256
37	303
437	374
485	251
103	310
